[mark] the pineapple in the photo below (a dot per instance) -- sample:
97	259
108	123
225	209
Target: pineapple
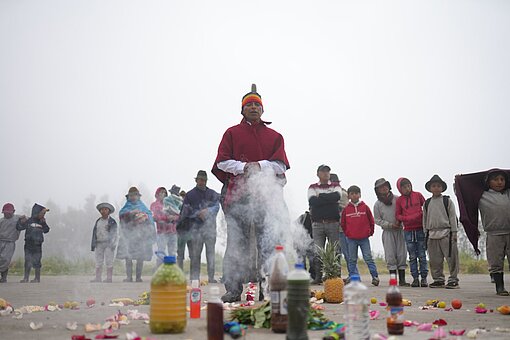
333	283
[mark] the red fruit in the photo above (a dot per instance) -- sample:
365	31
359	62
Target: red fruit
91	302
456	304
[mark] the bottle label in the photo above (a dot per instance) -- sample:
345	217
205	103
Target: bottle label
396	314
279	302
195	296
283	302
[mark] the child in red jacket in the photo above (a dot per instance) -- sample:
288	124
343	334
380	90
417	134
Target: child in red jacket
409	212
358	226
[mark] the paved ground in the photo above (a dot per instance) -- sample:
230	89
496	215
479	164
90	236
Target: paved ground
474	289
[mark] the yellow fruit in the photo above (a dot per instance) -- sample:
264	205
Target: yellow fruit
481	305
3	303
505	310
441	304
406	302
373	300
319	294
333	290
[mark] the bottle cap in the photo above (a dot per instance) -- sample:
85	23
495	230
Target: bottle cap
279	247
194	283
169	259
355	277
393	281
299	266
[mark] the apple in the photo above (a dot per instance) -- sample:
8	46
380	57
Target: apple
456	304
91	302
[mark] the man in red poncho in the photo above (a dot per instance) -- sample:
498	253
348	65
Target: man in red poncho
251	164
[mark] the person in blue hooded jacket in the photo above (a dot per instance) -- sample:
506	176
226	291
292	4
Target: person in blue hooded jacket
34	227
137	234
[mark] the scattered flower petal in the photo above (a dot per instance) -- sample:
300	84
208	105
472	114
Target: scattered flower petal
72	326
92	327
480	310
457	332
472	334
79	337
383	304
374	314
379	336
425	327
36	325
440	322
440	333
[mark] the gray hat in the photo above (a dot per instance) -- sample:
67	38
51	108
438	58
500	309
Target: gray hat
201	174
105	205
435	179
175	189
380	182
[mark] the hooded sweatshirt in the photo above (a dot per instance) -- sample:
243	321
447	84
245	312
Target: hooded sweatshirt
495	212
34	227
357	221
409	208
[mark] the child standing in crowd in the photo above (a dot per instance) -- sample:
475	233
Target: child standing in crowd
440	223
358	225
34	228
104	240
395	252
8	237
165	225
409	212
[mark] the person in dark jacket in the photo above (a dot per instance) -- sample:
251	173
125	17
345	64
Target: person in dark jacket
200	207
308	249
104	241
34	227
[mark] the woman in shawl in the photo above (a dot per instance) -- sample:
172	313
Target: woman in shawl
137	234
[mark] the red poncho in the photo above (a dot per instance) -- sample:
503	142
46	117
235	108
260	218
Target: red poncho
247	143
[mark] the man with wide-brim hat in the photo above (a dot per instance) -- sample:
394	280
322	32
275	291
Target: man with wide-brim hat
251	163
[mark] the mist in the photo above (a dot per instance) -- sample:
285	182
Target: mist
99	96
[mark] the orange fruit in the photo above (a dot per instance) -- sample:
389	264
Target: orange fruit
456	304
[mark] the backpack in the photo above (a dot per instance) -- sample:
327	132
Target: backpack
446	202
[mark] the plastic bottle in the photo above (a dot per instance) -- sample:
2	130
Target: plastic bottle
298	303
168	298
278	288
395	318
356	310
195	299
215	315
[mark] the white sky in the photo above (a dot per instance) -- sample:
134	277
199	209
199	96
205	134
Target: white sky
96	96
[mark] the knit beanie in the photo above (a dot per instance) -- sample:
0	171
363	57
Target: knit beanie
252	97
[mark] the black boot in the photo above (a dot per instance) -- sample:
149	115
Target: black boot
416	282
28	268
500	284
129	271
37	277
402	278
4	276
139	268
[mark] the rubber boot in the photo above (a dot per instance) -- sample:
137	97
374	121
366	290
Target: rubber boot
4	276
500	284
402	278
99	271
109	275
37	277
28	268
129	271
139	268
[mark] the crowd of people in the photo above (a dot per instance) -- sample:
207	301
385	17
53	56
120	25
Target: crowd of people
251	164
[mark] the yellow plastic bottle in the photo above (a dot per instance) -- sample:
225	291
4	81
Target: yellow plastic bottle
168	299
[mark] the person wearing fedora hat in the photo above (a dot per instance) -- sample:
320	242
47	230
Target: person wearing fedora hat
34	227
487	192
394	244
200	208
409	212
104	241
137	234
8	237
249	151
440	224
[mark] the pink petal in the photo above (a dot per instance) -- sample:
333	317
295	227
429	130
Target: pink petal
374	314
409	323
457	332
480	310
383	304
425	327
440	333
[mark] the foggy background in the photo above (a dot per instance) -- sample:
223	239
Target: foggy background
97	96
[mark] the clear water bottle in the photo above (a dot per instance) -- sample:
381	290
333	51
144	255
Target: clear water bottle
356	310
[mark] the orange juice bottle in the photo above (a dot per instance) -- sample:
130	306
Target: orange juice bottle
168	298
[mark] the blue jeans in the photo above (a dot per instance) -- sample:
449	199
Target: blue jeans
364	245
415	241
343	248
